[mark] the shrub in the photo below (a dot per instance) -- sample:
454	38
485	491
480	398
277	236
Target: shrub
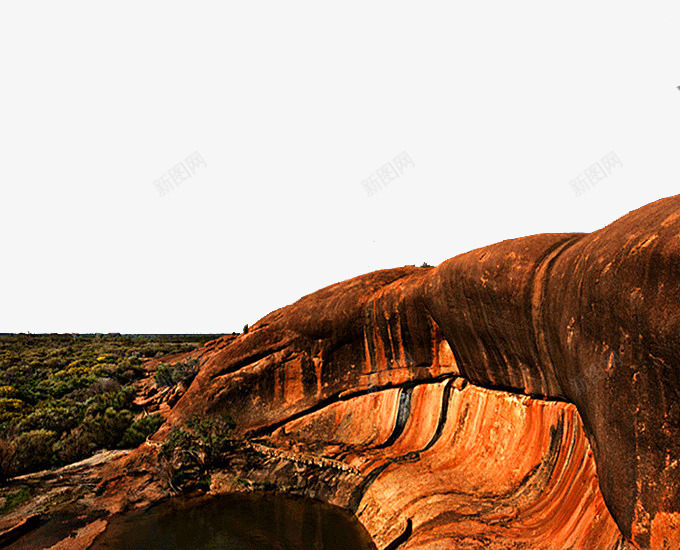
213	435
70	385
57	416
105	429
118	400
169	375
140	429
7	391
75	446
192	450
34	450
11	409
164	375
104	385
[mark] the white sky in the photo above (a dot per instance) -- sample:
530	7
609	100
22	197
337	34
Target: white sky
292	105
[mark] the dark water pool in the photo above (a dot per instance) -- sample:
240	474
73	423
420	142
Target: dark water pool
253	521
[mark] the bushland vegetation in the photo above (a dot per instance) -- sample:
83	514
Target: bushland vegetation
64	397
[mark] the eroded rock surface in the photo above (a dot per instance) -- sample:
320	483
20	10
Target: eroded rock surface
521	395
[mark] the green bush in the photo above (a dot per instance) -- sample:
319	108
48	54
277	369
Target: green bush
169	375
76	445
120	399
212	434
7	391
11	409
74	394
104	423
58	416
34	450
192	450
139	430
105	429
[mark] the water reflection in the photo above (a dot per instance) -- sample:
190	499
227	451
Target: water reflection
254	521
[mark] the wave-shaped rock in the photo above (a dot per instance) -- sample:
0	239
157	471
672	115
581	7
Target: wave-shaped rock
464	469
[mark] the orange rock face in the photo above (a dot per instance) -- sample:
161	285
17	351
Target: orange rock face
364	372
464	469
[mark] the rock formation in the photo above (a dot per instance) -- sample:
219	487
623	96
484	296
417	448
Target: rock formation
524	394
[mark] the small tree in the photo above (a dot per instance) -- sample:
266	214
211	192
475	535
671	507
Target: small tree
169	375
191	451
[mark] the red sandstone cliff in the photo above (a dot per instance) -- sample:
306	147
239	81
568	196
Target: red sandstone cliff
521	395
